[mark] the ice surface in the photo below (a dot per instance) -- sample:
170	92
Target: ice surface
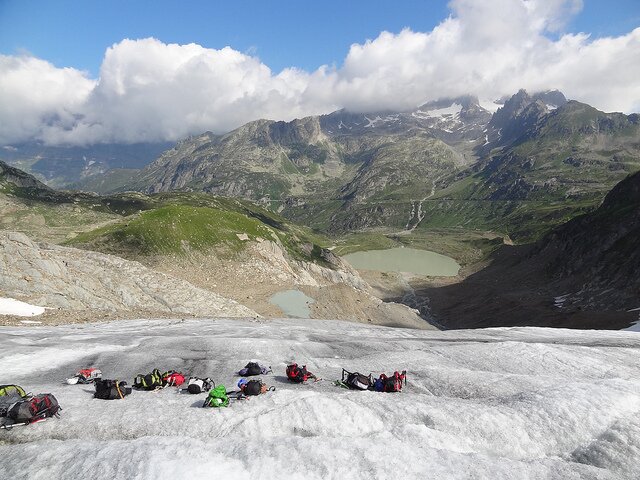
519	403
10	306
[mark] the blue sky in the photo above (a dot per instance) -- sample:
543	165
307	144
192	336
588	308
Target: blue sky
288	33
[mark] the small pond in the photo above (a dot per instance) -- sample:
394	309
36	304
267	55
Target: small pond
293	303
410	260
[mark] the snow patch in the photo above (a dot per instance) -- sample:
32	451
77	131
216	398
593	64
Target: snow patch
10	306
559	300
372	123
451	112
489	105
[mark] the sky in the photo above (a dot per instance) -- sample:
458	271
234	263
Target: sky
85	71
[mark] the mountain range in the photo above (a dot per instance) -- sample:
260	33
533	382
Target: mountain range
534	163
74	166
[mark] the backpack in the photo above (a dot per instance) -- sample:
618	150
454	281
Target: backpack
392	383
357	381
253	387
149	382
12	391
41	406
10	394
199	385
253	368
217	397
86	375
172	379
111	389
296	374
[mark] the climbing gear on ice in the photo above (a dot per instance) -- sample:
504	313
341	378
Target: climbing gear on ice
199	385
86	375
253	368
356	381
111	389
217	397
392	383
9	426
298	374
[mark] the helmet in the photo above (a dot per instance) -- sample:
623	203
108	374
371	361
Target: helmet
242	382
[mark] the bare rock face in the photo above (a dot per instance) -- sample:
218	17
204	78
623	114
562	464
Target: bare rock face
71	279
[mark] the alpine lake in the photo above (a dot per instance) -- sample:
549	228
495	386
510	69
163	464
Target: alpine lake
295	303
406	260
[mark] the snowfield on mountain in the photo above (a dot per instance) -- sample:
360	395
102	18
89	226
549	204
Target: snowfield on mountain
502	403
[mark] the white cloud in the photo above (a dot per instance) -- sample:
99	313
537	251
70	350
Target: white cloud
149	90
34	95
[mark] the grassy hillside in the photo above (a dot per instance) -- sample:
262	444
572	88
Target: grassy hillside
181	223
134	224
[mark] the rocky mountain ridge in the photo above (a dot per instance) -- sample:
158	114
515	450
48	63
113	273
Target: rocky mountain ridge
11	177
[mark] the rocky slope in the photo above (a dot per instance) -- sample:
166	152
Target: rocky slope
263	269
584	274
599	253
72	280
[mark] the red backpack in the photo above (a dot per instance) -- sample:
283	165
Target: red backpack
37	408
296	374
172	379
392	383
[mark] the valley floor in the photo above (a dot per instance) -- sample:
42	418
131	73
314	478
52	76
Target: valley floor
505	403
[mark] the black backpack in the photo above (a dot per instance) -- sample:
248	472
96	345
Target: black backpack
253	369
40	406
357	381
252	387
111	389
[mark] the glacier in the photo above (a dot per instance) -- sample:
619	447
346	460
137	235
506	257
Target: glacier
501	403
